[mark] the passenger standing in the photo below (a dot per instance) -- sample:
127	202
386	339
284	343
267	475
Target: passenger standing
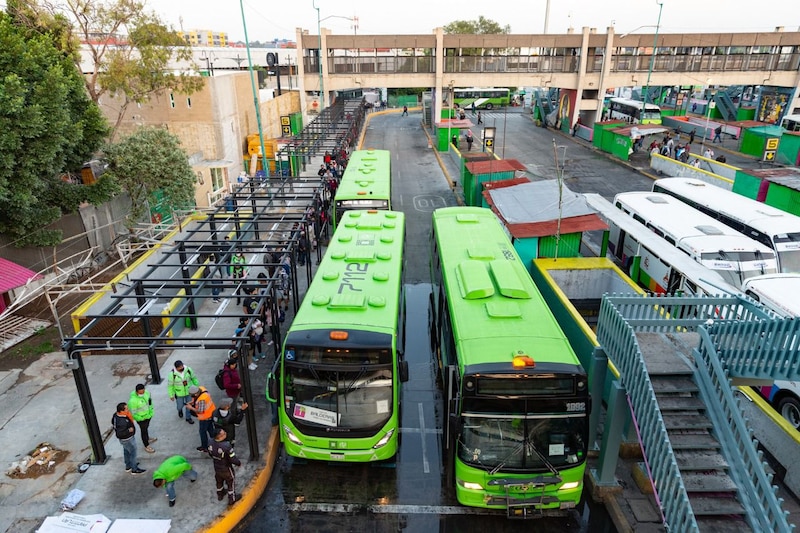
405	111
125	431
141	407
180	379
231	381
227	417
225	459
691	136
469	140
203	408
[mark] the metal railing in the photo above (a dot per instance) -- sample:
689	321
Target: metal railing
621	317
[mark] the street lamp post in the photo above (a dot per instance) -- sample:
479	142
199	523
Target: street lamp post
709	107
652	62
255	92
319	58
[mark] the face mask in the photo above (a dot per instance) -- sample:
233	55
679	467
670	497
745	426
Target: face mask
223	412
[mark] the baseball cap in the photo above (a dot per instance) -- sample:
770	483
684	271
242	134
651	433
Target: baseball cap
194	389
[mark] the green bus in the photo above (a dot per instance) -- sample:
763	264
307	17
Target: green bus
482	97
337	381
366	183
516	396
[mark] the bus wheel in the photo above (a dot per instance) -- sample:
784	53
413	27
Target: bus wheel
789	408
489	105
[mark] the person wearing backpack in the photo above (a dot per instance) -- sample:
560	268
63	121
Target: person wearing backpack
231	381
180	379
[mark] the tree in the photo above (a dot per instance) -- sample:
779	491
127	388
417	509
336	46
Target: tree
148	163
481	26
47	127
128	47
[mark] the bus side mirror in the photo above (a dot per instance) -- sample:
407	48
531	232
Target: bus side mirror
403	368
456	425
272	388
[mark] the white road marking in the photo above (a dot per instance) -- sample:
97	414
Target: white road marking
350	508
426	467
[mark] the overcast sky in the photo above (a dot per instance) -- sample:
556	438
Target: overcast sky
279	19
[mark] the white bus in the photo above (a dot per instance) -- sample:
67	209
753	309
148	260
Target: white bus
781	294
653	263
791	122
709	242
631	111
766	224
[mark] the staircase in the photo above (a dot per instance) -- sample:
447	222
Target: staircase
675	359
725	106
711	491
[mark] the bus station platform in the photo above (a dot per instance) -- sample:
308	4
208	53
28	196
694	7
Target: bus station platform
41	411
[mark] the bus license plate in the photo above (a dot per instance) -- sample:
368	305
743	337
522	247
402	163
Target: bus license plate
337	456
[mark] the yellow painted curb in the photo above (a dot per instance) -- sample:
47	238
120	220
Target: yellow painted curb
232	516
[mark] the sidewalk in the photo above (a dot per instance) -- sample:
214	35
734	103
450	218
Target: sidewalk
41	406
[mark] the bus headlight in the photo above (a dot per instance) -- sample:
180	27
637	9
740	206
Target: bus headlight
570	485
291	436
381	443
470	485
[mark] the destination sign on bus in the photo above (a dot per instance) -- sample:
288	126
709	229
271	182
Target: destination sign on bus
515	385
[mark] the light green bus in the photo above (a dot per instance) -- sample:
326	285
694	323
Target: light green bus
337	381
366	183
516	396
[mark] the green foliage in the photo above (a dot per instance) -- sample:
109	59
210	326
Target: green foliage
482	26
47	127
151	160
131	62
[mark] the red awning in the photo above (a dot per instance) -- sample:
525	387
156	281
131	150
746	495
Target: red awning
493	166
13	275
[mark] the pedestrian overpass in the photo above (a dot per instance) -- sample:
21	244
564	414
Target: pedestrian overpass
587	63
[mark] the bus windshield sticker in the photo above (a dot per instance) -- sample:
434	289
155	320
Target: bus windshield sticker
312	414
290	355
382	406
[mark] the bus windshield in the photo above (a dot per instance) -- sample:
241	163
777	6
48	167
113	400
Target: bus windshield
787	246
735	267
522	443
352	399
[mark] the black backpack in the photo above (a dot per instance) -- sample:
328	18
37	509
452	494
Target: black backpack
218	379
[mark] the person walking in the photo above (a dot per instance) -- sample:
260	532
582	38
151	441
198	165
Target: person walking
480	118
178	383
469	140
141	406
717	134
405	111
125	431
214	271
202	406
238	272
227	417
225	459
691	136
169	472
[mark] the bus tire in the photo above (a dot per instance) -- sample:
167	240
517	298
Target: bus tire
789	408
489	105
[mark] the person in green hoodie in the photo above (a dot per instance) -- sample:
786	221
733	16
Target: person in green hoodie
141	407
168	473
